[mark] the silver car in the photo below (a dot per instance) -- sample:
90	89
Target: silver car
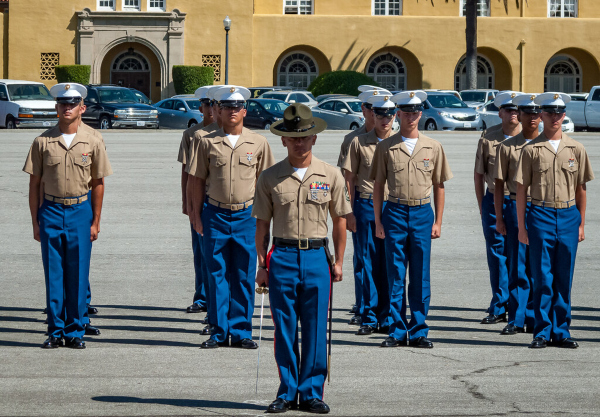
444	111
489	115
340	113
292	96
179	112
478	98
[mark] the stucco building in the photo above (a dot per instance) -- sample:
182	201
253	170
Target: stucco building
528	45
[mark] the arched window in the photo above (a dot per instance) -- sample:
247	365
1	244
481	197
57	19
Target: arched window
131	61
485	74
562	74
298	70
388	71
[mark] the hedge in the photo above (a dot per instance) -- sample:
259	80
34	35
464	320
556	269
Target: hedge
73	74
188	78
339	82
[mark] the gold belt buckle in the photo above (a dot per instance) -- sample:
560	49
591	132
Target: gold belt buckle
300	241
68	201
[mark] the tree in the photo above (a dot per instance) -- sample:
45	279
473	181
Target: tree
471	35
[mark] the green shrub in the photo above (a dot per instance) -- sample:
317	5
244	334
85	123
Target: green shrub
73	74
188	78
339	82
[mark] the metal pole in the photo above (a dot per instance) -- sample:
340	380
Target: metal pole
226	56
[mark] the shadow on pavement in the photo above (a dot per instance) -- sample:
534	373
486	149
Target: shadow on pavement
179	402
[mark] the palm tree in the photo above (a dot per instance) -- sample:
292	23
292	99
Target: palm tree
471	35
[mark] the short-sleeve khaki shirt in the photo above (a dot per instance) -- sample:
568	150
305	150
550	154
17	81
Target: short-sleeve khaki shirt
410	177
66	172
360	158
194	143
299	212
346	143
186	143
550	176
232	172
507	158
485	158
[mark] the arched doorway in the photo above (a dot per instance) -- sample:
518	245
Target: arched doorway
388	70
485	74
298	69
562	74
131	69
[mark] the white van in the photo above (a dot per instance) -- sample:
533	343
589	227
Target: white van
26	104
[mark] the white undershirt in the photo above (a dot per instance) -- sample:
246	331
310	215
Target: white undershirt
554	144
301	172
528	140
233	139
410	143
68	138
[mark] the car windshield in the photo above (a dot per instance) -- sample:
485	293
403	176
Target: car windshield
311	96
445	101
193	104
354	106
275	106
116	95
478	96
29	92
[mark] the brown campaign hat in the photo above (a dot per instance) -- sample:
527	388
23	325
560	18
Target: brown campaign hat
297	122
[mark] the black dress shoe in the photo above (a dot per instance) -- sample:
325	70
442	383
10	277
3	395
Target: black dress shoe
52	342
75	343
208	330
510	329
91	330
421	342
355	321
314	406
245	344
393	342
204	320
365	330
279	406
195	308
213	344
538	343
567	343
492	319
354	309
92	310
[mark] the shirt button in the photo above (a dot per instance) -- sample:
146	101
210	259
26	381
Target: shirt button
411	184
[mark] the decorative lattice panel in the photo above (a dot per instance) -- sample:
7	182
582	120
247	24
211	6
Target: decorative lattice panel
213	61
48	61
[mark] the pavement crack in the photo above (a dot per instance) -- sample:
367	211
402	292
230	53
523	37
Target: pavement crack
24	194
428	353
472	388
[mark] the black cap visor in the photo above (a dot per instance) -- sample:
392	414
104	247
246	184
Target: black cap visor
69	100
232	103
411	108
368	106
388	111
554	109
509	106
530	109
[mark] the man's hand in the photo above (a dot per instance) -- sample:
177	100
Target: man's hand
500	225
198	227
337	272
94	230
351	222
581	233
524	237
262	278
436	231
379	232
36	231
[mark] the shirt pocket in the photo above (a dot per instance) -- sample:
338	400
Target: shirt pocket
317	204
424	172
248	168
570	172
82	170
218	166
541	173
52	164
283	202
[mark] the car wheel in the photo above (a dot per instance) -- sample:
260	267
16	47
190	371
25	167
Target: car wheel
105	123
267	125
192	123
430	125
10	122
353	126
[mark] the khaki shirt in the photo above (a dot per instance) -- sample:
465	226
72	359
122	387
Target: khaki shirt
410	177
553	177
346	143
186	143
299	212
232	172
66	172
507	158
485	159
194	142
360	158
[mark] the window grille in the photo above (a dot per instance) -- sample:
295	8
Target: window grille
48	61
297	7
213	61
387	7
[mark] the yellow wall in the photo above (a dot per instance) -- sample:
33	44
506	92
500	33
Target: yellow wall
430	8
4	43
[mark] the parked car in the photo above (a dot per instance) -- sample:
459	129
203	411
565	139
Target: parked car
26	104
489	115
323	97
256	92
453	92
567	125
179	112
444	111
114	106
586	114
478	98
142	98
262	112
292	96
340	113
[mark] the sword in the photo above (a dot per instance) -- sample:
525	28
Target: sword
262	291
331	264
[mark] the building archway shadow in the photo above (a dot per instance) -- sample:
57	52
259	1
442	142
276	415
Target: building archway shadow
176	402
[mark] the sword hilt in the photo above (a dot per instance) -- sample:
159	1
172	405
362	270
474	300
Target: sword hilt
262	290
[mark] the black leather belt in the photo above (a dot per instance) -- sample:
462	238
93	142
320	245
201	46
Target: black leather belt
300	243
